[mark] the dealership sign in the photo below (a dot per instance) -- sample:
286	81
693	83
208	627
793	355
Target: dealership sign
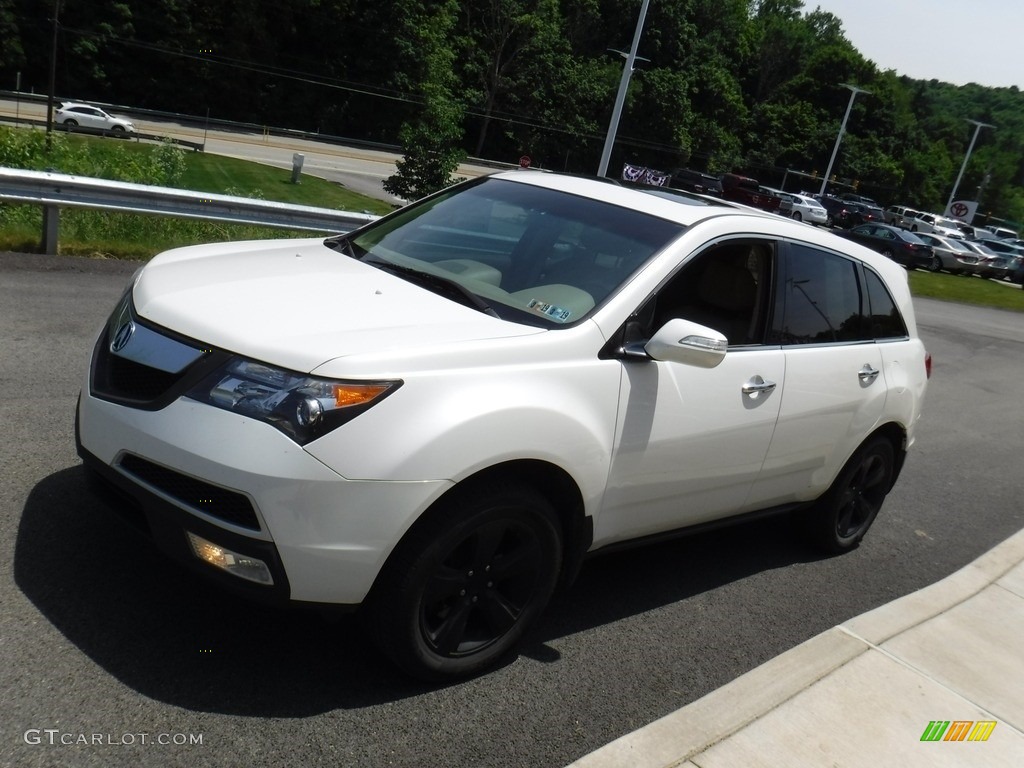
962	210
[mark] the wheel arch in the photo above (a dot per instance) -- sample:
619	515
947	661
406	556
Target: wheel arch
551	481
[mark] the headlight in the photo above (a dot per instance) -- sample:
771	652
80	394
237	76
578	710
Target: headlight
303	407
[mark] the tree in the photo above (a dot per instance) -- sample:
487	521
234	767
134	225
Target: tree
431	142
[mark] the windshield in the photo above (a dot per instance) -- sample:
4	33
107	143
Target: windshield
518	251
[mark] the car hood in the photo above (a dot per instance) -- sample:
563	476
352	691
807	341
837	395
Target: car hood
298	304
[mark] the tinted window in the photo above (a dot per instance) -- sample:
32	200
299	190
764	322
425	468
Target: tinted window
885	319
820	299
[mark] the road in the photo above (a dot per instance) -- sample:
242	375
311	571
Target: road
106	643
360	169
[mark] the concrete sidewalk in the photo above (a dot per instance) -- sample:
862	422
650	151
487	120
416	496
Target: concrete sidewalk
864	693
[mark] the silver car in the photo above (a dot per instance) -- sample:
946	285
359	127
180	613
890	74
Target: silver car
951	255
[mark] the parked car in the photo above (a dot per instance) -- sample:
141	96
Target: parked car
999	266
837	212
851	214
899	216
802	208
71	115
696	181
1003	233
433	418
855	198
950	254
935	225
743	189
901	246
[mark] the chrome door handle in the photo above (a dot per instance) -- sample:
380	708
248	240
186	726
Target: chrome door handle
867	374
756	385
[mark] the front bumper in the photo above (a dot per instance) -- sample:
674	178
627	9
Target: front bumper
323	537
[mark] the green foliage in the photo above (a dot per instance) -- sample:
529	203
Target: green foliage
431	141
752	85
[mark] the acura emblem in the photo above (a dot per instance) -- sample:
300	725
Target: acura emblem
123	335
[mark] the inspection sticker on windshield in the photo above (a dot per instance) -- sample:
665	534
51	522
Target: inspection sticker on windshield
556	313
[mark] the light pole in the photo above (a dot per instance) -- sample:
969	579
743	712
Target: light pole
977	129
842	129
620	98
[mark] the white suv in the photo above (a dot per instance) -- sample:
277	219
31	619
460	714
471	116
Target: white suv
72	115
437	416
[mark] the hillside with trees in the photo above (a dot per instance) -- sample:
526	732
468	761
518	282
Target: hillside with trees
748	85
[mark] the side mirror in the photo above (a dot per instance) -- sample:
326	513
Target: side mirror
683	341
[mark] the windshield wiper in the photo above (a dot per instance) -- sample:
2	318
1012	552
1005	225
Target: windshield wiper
341	243
438	284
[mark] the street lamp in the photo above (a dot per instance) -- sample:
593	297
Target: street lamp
620	98
842	129
977	129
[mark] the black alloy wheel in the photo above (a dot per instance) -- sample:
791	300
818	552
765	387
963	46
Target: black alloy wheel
839	520
465	584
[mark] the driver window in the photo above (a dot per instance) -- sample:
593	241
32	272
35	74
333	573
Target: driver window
725	288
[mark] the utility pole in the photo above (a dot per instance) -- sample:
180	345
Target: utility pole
842	129
53	73
620	98
956	184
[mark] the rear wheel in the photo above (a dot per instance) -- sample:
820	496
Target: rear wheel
462	588
797	216
935	265
838	520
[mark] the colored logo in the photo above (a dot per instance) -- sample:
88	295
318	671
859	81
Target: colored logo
958	730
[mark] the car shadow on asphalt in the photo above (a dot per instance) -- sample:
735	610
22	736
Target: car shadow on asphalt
167	634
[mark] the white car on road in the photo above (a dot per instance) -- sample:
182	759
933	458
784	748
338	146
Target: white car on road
72	115
436	417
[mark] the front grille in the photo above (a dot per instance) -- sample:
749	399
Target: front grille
128	380
221	503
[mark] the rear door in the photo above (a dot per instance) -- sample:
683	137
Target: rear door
835	386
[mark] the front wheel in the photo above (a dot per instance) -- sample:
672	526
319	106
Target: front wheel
837	522
465	584
71	123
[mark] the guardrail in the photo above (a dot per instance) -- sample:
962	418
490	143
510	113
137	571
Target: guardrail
196	146
54	191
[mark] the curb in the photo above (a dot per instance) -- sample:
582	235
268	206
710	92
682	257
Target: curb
691	730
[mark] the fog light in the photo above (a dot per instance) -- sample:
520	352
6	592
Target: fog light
243	566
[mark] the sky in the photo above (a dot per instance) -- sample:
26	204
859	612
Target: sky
959	42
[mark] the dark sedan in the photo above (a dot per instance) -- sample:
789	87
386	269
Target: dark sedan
901	246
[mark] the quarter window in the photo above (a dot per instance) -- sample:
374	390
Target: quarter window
885	319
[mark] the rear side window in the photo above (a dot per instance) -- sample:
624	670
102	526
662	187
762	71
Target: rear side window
820	299
885	319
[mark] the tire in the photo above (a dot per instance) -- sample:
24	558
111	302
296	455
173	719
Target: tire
70	123
117	128
830	221
837	522
886	252
936	264
797	216
465	584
